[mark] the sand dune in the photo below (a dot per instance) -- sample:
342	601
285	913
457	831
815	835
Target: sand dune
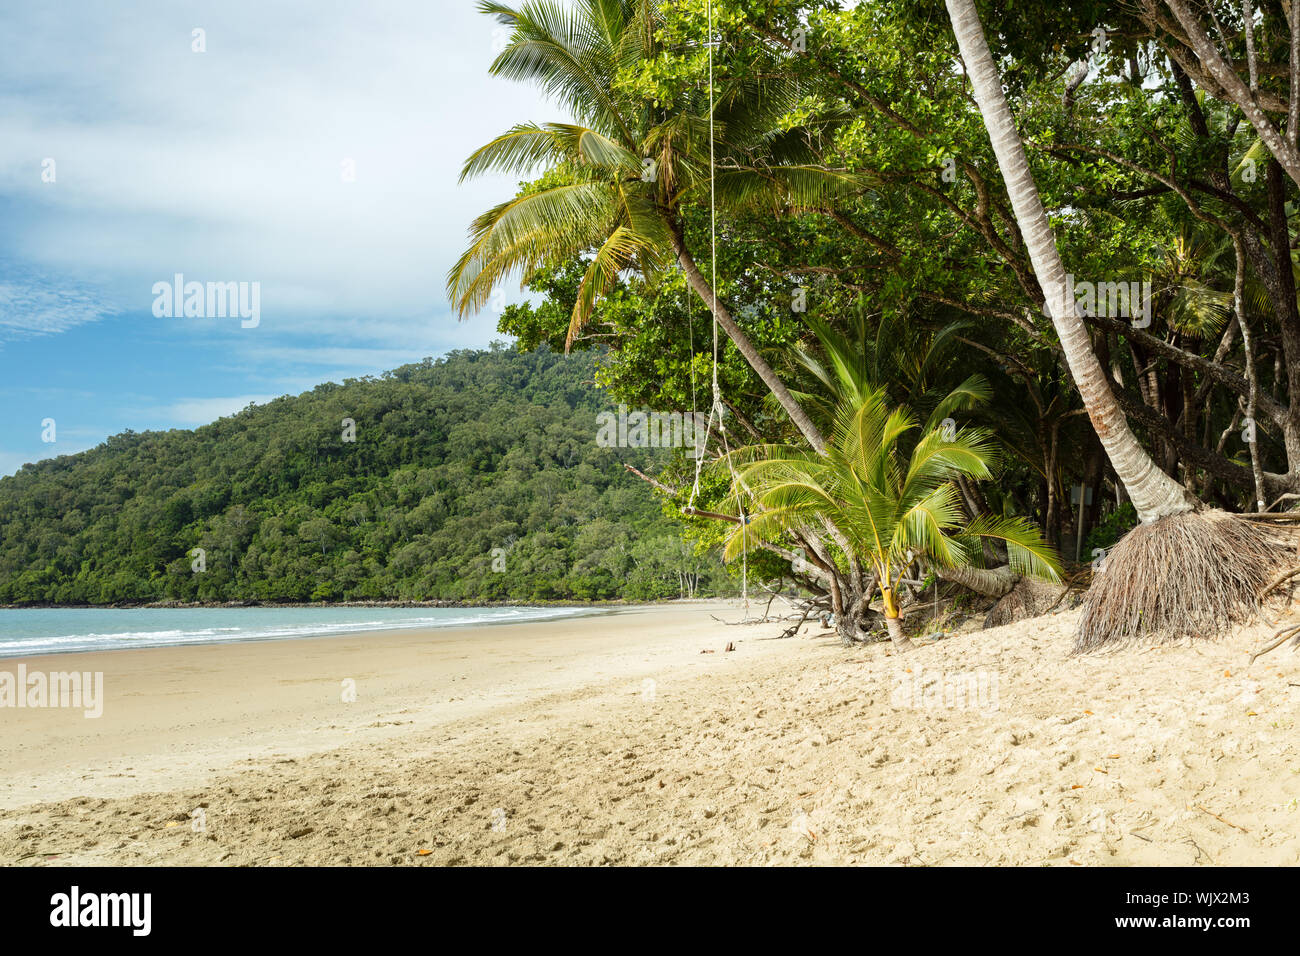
614	740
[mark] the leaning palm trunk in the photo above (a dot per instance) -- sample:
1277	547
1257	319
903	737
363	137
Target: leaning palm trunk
1185	570
1153	493
744	345
1017	597
988	582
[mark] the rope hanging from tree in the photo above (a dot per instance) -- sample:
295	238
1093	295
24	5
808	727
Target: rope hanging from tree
716	408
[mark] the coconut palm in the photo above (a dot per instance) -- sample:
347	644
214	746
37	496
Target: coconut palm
1185	569
913	365
1153	493
618	180
885	506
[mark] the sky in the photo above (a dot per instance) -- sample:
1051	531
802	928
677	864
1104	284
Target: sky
309	152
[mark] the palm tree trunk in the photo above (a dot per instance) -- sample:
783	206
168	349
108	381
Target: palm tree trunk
1153	493
742	342
900	640
989	582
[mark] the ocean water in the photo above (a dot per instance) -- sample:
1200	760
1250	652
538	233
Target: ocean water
25	631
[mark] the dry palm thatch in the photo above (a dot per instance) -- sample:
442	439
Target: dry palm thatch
1187	575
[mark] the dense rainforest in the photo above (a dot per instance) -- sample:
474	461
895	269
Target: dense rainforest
475	477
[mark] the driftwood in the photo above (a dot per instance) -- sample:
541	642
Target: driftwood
775	593
792	631
746	620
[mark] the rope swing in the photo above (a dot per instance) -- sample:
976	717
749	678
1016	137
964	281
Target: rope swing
716	408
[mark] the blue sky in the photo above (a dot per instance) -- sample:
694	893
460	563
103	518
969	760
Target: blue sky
229	165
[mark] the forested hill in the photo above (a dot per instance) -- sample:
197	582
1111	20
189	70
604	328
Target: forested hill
474	477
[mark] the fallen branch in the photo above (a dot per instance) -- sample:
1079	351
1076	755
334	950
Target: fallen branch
1286	497
1070	582
1281	637
747	620
792	631
1282	518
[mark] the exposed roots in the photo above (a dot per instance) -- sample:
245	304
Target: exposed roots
1189	575
1280	580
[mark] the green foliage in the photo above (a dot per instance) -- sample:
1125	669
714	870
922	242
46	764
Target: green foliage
477	451
613	184
889	503
1112	527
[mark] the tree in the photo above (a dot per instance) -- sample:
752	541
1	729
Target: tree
886	507
478	451
1221	560
1153	493
1190	45
618	183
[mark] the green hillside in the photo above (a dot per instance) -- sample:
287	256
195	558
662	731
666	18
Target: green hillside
476	477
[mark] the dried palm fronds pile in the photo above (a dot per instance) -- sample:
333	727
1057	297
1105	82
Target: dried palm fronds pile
1192	574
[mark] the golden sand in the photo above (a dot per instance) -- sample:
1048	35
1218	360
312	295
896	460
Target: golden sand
615	740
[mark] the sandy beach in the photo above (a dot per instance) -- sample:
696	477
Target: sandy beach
636	738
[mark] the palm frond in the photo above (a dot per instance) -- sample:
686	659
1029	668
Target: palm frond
1027	552
616	253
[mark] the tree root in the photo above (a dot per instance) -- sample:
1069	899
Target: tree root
1188	575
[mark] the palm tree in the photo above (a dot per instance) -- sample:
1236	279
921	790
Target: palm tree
618	180
911	362
885	507
1185	569
1153	493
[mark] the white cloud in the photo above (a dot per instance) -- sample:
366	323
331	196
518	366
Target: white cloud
37	305
225	165
188	412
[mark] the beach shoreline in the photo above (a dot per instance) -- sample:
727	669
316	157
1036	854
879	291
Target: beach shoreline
228	701
431	603
138	628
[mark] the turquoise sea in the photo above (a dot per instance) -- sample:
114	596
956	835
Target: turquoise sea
25	631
